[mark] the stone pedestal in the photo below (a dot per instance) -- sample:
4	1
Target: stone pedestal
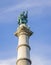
23	33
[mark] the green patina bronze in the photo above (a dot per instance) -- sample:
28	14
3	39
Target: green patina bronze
22	19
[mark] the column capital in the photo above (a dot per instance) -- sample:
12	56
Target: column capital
23	29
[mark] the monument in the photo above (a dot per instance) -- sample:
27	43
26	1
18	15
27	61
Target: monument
23	33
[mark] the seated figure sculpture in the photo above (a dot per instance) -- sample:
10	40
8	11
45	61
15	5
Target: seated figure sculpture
22	19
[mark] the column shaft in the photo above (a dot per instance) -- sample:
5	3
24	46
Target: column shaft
23	57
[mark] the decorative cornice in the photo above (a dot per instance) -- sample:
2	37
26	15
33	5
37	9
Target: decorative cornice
24	45
23	30
24	59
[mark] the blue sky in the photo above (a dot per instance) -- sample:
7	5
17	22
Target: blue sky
39	20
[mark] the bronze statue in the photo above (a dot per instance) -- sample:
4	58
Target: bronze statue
22	19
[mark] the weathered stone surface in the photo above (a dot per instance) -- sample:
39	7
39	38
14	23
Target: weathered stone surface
23	29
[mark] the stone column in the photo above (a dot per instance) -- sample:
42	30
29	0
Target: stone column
23	33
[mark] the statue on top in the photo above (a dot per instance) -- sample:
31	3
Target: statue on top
22	19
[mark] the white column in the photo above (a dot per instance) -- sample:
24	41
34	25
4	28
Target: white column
23	33
23	47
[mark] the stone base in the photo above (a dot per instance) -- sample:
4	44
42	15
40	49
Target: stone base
23	62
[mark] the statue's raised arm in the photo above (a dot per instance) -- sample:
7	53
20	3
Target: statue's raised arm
22	19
